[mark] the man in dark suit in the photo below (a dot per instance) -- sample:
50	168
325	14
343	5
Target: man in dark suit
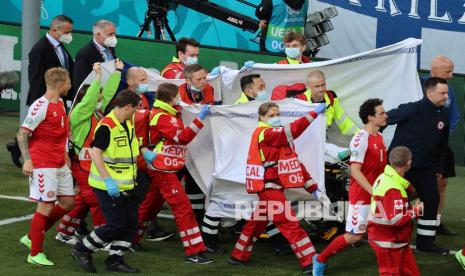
50	52
100	49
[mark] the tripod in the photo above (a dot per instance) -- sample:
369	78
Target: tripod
157	15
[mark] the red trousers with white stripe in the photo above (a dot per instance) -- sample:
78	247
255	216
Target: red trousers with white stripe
396	261
85	200
174	194
290	228
149	209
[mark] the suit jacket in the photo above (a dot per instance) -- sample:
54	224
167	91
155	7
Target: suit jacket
85	59
41	58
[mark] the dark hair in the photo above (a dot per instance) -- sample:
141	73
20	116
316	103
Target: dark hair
265	107
368	108
81	93
183	42
289	37
126	97
248	80
432	82
399	156
166	92
57	20
191	69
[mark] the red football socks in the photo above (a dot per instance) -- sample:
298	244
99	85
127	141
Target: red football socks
336	246
56	214
37	233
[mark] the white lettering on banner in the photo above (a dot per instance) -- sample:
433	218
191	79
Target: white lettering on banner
392	7
433	13
394	10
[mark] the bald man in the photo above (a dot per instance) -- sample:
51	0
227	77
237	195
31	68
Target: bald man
443	67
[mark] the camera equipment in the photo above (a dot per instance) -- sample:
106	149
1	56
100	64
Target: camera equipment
317	25
157	15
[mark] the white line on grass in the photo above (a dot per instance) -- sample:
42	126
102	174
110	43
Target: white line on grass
21	198
13	220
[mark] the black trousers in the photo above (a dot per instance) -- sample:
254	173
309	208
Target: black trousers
120	228
425	182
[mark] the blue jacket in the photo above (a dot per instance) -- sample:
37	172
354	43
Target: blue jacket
424	129
451	104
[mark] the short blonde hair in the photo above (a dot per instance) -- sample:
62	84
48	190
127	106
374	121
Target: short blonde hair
55	77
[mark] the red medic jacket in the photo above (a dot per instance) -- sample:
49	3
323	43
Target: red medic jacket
207	95
168	133
266	162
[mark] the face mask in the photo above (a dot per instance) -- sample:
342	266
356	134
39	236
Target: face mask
275	122
66	38
99	105
292	52
191	60
195	89
142	88
262	96
110	41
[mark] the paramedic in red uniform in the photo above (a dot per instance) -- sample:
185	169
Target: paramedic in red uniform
271	150
170	137
390	221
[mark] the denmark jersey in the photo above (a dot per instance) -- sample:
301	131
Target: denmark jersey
49	126
369	151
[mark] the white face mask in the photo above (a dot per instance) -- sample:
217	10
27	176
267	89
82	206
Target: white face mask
262	96
66	38
191	60
275	122
110	41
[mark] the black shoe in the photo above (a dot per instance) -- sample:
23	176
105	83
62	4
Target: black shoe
136	247
234	261
307	270
198	259
15	152
443	230
81	231
432	248
121	267
283	250
214	249
83	259
159	235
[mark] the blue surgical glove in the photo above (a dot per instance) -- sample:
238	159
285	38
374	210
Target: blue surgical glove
342	155
215	71
204	112
321	108
112	187
249	64
149	156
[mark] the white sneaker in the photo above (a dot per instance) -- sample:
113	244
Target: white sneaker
71	240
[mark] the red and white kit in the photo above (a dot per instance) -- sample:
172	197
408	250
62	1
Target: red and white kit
51	177
369	151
